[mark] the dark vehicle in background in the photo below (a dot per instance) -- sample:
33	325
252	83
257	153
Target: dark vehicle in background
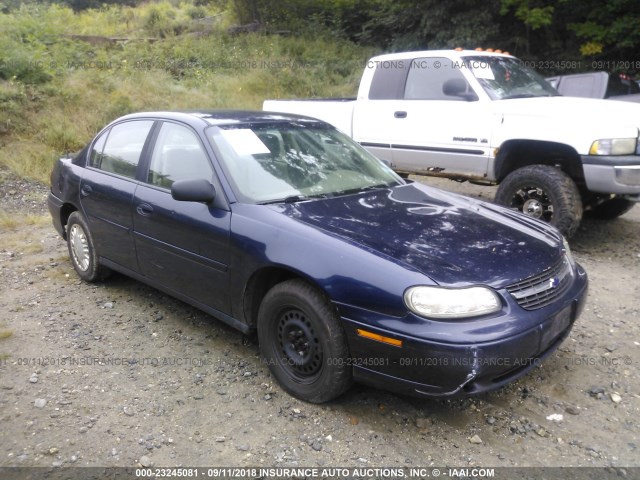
281	224
597	85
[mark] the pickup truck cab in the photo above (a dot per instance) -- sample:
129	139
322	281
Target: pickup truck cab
485	117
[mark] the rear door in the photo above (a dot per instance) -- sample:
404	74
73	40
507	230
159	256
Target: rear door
107	188
184	246
374	112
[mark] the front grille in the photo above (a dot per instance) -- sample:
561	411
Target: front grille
542	289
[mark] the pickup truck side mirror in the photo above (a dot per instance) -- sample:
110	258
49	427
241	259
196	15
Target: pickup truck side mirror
458	87
196	190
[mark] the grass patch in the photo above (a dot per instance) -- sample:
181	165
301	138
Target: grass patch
32	248
5	333
12	221
57	92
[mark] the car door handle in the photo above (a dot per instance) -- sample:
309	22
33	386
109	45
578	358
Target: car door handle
86	190
144	209
400	114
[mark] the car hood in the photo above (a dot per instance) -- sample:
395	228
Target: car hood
452	239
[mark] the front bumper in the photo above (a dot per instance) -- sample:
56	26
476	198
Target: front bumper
618	175
431	368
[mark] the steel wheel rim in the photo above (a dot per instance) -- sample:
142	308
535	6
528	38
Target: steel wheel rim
298	346
534	202
79	247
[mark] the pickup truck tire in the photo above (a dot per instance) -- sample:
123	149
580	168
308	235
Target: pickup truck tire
543	192
610	209
82	251
303	342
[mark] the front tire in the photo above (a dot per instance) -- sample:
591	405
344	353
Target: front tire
303	342
82	250
543	192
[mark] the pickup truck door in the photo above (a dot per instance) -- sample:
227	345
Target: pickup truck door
374	110
439	127
107	186
182	246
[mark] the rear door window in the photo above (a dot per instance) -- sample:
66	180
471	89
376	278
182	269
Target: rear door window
118	151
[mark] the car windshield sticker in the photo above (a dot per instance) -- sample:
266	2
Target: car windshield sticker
482	70
244	141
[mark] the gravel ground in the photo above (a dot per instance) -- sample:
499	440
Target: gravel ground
119	374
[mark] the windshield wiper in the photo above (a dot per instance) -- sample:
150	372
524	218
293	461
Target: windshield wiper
519	95
294	199
530	95
302	198
351	191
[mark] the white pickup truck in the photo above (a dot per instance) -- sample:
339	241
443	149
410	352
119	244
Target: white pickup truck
485	117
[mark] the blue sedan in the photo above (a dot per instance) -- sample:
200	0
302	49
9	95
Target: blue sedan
283	225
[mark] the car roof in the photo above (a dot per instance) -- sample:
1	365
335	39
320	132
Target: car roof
220	117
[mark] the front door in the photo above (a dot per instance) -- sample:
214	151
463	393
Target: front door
435	131
182	245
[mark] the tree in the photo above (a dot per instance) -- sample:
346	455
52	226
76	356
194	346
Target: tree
532	13
608	30
433	24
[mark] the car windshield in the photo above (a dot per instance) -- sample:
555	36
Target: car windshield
505	77
295	161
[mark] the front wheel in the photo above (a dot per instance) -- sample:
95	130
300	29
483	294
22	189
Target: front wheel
543	192
82	250
303	342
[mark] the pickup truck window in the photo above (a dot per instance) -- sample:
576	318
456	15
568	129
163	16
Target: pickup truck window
122	149
388	80
504	77
427	77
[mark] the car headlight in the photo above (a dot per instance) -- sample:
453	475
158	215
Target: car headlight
614	146
438	302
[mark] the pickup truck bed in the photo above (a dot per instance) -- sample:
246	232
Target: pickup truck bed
596	85
335	111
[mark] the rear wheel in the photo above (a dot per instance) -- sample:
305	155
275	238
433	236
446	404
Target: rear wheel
610	209
303	342
543	192
82	251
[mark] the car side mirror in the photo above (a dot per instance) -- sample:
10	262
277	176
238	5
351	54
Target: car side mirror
196	190
458	87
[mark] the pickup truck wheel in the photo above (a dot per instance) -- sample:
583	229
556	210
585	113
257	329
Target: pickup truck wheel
303	342
610	209
82	251
543	192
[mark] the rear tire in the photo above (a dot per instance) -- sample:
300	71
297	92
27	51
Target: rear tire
543	192
610	209
82	250
302	340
